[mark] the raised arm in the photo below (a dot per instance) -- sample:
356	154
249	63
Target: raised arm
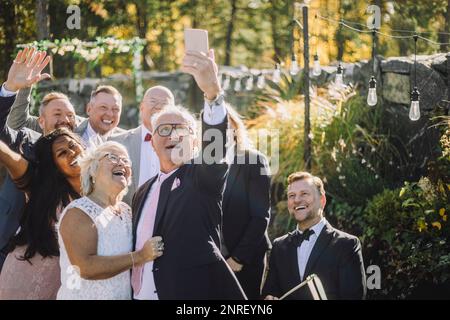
24	72
14	162
19	116
80	240
213	169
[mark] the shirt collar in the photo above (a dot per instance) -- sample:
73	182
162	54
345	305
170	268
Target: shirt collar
91	132
317	228
163	176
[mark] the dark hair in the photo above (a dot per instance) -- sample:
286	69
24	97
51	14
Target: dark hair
48	190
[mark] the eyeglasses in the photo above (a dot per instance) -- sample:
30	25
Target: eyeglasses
182	130
116	159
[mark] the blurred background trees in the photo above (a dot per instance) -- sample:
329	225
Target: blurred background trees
256	33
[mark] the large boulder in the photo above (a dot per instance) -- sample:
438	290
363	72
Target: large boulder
398	80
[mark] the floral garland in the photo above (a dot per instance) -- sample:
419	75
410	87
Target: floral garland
92	51
88	50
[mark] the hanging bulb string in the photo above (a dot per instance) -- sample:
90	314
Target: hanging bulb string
345	23
415	59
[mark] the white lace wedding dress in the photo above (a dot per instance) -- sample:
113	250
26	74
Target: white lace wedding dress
114	238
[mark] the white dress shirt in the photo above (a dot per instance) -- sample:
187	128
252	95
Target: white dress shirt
92	138
148	289
304	251
6	93
149	163
212	116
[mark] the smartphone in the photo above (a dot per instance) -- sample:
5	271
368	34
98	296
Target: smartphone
196	40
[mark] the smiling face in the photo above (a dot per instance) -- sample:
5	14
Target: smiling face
154	101
66	151
177	148
114	170
104	111
305	203
57	113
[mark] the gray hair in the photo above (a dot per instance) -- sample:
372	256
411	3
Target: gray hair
177	110
89	163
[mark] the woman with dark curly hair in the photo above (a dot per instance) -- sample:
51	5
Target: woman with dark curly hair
51	182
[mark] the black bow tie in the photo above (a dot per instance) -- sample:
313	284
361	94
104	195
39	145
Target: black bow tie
298	238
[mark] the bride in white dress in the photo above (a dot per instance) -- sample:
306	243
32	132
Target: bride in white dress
95	231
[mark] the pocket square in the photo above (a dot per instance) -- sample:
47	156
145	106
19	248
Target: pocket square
176	184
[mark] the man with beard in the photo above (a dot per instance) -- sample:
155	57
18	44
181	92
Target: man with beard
315	247
55	111
104	109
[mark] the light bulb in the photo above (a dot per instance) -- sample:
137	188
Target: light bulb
372	95
414	111
294	66
339	76
226	83
249	84
237	85
317	70
276	77
261	81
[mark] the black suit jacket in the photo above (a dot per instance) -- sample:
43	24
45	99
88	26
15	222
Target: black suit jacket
336	259
12	200
188	220
246	208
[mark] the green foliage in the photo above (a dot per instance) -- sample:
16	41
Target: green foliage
406	233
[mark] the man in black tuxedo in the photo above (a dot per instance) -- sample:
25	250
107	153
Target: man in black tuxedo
182	203
314	247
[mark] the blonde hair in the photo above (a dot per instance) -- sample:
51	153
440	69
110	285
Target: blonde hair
106	89
240	133
302	175
50	97
89	163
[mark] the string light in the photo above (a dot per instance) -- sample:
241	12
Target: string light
317	70
276	77
414	110
261	81
294	66
226	83
237	85
339	79
249	83
372	95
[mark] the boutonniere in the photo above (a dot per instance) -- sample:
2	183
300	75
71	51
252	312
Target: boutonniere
176	184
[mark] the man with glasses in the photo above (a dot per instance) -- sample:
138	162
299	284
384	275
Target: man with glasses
182	204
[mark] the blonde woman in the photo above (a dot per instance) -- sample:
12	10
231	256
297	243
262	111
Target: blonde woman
95	231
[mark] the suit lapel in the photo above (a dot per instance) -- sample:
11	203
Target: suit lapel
141	202
81	128
322	242
292	262
232	175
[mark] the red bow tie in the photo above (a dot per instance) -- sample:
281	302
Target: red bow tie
148	137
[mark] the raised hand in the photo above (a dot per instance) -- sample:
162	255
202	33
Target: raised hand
204	70
26	69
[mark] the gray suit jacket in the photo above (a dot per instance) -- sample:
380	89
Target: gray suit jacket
131	139
20	117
